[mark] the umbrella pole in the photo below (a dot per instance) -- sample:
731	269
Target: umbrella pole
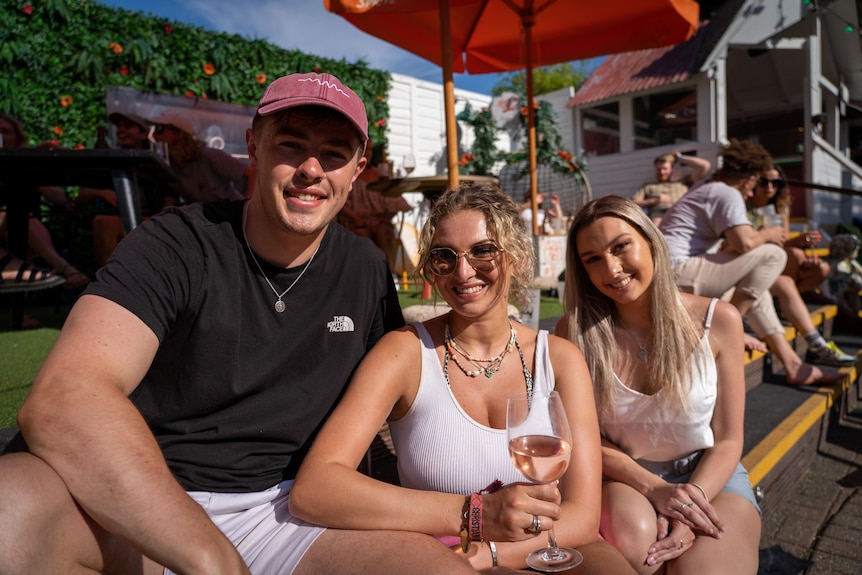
527	23
448	94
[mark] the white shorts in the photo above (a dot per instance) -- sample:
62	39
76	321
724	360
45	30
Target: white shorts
269	538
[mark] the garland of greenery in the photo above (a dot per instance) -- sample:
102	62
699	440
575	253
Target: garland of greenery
483	154
58	56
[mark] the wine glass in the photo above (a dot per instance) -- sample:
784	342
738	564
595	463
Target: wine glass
540	444
409	163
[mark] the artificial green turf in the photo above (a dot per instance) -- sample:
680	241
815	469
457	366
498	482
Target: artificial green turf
23	353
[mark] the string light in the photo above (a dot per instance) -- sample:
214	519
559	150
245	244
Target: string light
849	27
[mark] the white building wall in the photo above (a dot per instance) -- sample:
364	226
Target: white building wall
417	123
558	100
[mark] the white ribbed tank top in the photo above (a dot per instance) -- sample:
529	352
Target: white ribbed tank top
440	447
647	427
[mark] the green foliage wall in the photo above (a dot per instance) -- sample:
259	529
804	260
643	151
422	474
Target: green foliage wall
58	56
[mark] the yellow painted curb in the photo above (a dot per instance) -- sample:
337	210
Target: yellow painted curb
763	457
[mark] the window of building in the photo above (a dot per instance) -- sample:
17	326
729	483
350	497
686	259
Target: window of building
666	119
602	129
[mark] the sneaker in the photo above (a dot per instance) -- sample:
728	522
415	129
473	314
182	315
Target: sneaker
829	354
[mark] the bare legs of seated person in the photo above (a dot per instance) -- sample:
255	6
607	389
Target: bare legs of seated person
807	273
46	531
796	312
630	523
20	276
41	245
765	323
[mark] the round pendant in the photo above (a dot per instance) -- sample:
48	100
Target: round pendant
279	306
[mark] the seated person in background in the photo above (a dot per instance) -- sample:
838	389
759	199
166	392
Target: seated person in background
543	215
771	190
168	421
668	372
751	260
108	230
447	423
657	197
369	214
802	273
39	240
204	173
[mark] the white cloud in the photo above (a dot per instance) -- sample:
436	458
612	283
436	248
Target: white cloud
306	25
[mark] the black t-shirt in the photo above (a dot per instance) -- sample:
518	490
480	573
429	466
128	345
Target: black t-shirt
236	391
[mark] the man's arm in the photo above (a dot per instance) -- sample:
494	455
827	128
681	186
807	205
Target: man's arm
699	166
79	419
744	238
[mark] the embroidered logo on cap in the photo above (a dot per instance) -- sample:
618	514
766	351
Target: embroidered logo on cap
340	323
324	83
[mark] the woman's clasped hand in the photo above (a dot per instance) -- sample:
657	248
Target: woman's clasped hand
684	503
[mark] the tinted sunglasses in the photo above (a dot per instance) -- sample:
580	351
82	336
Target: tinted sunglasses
777	183
159	128
443	261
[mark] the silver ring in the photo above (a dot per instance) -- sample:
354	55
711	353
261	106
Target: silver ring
680	544
536	525
683	506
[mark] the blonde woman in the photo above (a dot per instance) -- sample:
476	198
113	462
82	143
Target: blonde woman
668	376
442	385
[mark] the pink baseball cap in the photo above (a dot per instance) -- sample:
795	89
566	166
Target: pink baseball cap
315	90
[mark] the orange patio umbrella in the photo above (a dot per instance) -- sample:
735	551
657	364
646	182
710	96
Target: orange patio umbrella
484	36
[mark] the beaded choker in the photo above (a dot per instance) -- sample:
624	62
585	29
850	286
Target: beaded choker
492	363
450	350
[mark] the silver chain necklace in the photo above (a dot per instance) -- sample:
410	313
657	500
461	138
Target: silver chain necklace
279	305
643	354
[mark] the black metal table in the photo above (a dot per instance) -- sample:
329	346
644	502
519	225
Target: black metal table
30	167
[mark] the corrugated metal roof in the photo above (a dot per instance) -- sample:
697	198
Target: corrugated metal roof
641	70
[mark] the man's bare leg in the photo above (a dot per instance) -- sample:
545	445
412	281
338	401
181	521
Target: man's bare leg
45	531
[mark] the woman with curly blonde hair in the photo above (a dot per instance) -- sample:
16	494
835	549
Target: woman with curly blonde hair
442	385
668	375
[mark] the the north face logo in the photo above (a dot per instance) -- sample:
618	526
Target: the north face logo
340	323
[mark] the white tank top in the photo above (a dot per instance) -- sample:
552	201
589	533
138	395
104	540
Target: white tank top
440	447
647	427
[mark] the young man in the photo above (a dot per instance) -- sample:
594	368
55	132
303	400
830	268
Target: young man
657	197
749	261
167	423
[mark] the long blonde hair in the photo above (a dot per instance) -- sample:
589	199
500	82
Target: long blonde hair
503	218
592	315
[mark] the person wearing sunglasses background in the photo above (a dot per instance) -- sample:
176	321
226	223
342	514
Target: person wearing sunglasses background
204	173
442	385
802	273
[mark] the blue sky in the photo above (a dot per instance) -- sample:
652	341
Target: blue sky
302	25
